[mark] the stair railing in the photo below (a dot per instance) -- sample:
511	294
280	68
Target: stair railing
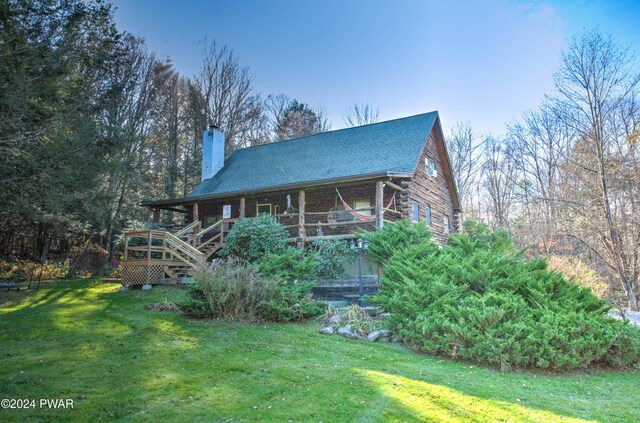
171	247
195	227
196	239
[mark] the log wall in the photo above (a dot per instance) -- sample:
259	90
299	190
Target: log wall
318	200
425	189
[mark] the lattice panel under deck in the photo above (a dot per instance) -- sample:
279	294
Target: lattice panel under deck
140	274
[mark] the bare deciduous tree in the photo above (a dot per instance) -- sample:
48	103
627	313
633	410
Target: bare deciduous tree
230	97
292	119
538	144
597	87
499	173
361	114
465	151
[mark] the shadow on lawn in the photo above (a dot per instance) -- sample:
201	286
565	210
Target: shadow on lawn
50	292
68	340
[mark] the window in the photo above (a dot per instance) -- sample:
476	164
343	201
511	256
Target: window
263	209
226	211
430	167
363	204
446	225
358	205
415	211
211	219
427	215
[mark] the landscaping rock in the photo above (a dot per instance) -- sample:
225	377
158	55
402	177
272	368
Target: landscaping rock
633	317
146	286
385	333
335	319
123	288
347	332
396	338
327	330
385	315
373	336
344	330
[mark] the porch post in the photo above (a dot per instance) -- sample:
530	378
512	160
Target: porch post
379	204
302	233
243	205
195	212
149	239
156	215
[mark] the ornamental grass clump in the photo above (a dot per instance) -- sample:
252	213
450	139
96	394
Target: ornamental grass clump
231	290
478	299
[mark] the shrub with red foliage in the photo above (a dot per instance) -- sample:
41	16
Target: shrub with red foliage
89	257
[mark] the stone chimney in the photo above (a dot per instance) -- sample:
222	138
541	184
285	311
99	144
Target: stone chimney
212	152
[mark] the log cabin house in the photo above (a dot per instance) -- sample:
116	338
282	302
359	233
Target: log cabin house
330	184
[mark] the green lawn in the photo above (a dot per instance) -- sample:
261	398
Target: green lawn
117	361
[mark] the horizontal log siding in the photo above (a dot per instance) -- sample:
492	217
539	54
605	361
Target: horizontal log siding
426	189
318	199
214	208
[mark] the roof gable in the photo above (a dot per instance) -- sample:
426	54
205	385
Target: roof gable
443	154
386	147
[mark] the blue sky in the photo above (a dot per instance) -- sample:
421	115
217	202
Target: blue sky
484	62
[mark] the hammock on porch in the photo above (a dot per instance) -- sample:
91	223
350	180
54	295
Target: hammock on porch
392	202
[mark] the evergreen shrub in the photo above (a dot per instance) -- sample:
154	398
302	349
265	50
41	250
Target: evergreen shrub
397	236
252	238
329	256
478	299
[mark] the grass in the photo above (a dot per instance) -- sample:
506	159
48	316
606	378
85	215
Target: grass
83	340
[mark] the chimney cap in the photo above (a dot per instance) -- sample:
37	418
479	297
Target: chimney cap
213	126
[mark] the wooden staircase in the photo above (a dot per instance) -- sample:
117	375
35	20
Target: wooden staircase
156	254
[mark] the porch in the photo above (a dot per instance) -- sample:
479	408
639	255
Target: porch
309	213
336	211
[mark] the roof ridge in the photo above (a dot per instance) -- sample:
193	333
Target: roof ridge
336	130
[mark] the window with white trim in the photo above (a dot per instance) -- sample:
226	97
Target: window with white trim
415	211
427	215
430	167
446	225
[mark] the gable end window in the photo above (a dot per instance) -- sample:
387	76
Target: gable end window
427	215
446	225
415	212
430	167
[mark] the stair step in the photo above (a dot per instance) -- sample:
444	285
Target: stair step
337	304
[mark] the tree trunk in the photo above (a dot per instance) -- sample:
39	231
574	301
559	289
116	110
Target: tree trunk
45	249
630	287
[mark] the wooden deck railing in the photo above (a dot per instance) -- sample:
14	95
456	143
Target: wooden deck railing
160	245
192	243
193	227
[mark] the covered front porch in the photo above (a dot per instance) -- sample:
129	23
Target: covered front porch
308	213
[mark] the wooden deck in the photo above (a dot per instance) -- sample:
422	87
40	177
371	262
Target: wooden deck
150	256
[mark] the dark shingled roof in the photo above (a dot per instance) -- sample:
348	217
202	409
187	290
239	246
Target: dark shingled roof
391	147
